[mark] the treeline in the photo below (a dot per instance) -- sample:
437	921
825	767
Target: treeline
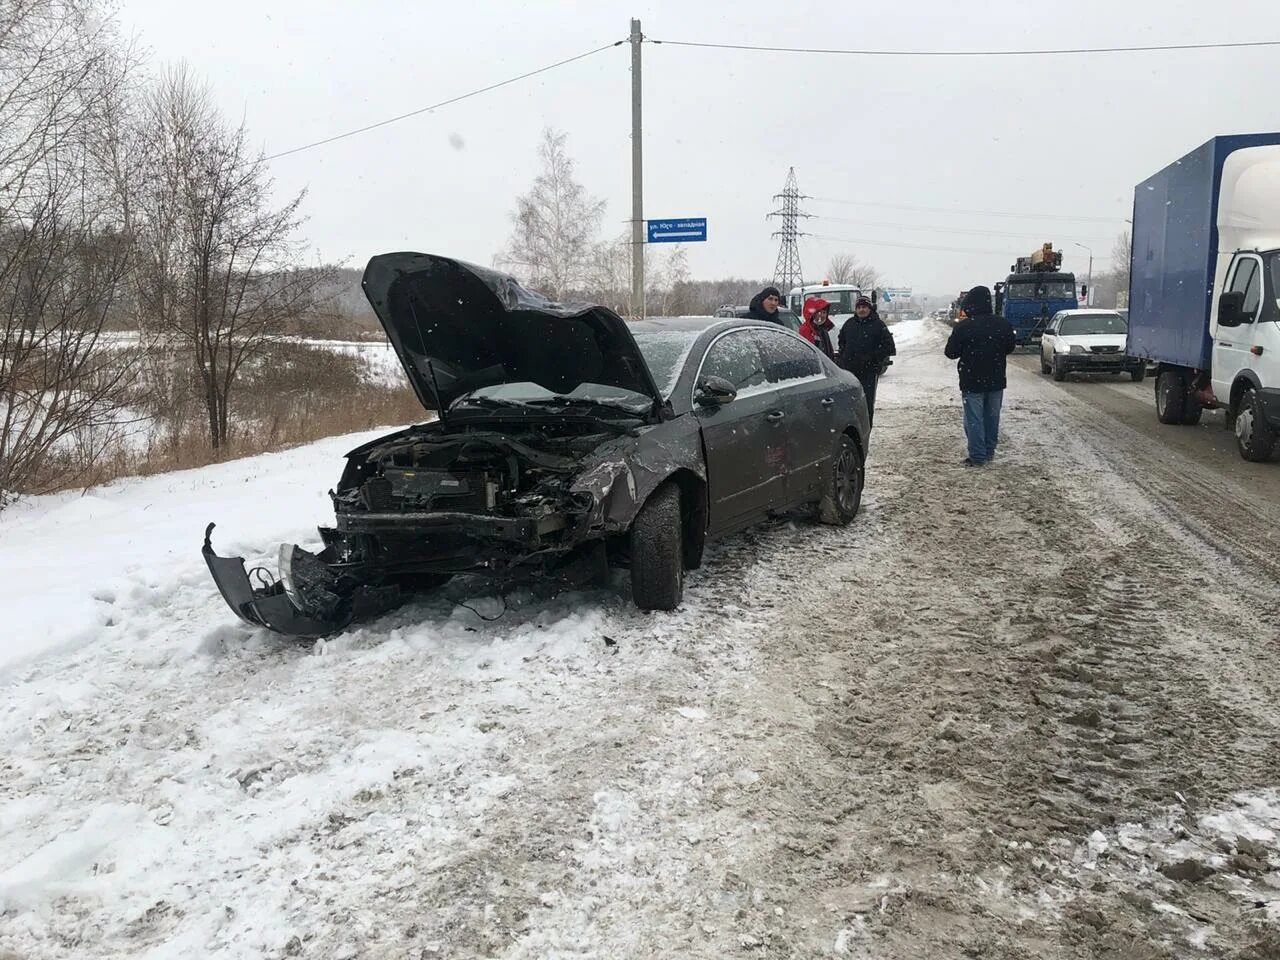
129	203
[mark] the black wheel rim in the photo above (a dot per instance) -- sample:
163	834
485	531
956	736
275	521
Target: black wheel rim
847	471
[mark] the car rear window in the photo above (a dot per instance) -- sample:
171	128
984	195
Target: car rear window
665	354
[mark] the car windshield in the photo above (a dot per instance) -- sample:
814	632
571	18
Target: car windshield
525	392
1049	290
841	301
665	354
1092	323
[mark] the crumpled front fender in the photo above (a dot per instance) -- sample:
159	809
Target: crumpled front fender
266	605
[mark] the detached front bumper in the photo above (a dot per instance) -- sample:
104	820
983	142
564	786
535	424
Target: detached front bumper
267	604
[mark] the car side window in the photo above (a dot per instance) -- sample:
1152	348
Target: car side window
736	358
787	358
1249	280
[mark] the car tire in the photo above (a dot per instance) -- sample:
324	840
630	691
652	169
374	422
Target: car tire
1059	372
1044	367
1171	397
1138	374
1255	438
842	491
657	551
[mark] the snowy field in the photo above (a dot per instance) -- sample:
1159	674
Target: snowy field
1007	713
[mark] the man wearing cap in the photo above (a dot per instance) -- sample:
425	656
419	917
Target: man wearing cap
865	348
981	342
764	306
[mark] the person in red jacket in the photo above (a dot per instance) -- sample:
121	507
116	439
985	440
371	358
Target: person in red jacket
817	325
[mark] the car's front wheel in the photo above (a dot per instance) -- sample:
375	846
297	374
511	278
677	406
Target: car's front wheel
842	493
1059	371
1138	374
1255	439
657	554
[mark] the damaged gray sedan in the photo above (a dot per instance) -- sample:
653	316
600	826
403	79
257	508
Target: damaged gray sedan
566	441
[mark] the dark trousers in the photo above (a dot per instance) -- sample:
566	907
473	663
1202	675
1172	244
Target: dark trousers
868	381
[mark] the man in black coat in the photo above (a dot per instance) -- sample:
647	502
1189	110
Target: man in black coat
865	348
764	306
981	342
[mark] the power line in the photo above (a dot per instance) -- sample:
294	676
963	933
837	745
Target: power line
971	213
974	53
909	246
963	231
445	103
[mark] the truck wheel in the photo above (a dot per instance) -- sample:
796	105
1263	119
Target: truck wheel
1255	439
1138	374
1171	397
657	553
1059	372
842	492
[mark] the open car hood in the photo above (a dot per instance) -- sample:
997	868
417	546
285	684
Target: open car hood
457	327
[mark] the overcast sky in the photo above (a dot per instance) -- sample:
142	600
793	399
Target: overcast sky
1046	138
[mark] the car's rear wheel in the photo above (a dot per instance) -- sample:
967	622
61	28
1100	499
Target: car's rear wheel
1255	439
657	552
1171	397
842	496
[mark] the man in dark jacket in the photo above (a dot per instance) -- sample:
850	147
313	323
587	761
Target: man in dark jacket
764	306
865	348
981	342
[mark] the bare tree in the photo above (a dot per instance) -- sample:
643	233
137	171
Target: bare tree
62	256
1120	257
556	224
218	271
846	268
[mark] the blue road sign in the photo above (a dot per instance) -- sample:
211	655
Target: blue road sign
687	230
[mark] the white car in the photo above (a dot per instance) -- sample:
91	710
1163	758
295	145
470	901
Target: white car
1088	341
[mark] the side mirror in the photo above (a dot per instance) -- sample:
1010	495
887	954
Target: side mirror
1231	309
714	391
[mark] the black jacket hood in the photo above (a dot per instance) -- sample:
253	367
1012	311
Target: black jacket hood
457	327
977	302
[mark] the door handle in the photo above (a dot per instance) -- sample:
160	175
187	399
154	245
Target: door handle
828	401
774	415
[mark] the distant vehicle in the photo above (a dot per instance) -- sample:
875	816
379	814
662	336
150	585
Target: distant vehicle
567	439
789	319
1204	283
1088	341
842	297
1035	290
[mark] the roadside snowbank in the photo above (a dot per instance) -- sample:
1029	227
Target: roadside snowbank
80	568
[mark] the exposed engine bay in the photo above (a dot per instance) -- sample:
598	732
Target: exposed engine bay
415	508
525	475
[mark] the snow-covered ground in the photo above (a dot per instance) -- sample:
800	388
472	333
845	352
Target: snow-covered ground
977	722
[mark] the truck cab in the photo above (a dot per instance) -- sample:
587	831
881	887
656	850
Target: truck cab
1029	299
1245	371
842	297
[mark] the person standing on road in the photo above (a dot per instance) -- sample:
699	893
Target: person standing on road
981	342
818	325
764	306
865	348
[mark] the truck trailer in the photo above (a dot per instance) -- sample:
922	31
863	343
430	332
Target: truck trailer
1203	286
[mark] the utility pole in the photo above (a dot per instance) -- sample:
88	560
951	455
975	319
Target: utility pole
1088	294
637	180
